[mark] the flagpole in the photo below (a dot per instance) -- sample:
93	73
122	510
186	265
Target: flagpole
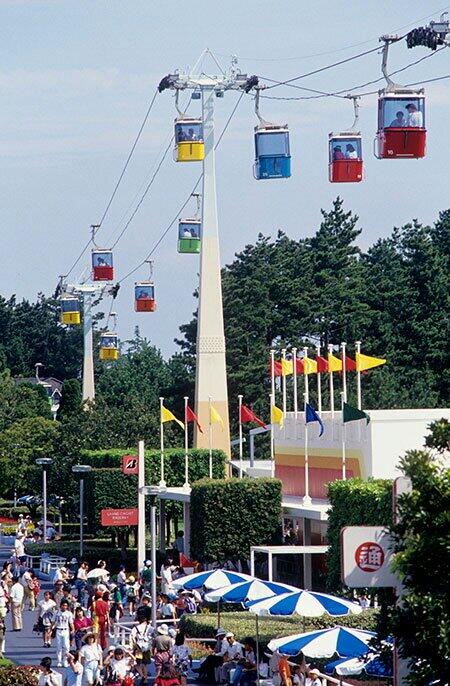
272	440
294	370
319	385
305	354
283	378
358	376
306	497
343	436
210	440
330	350
272	372
186	445
241	471
162	483
344	374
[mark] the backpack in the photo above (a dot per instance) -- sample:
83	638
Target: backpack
143	640
191	607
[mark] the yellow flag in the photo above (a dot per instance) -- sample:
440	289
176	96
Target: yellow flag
364	362
309	366
286	367
277	416
215	417
168	416
334	363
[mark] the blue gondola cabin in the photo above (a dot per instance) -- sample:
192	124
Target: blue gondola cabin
401	125
189	239
109	346
189	143
102	265
345	163
70	310
144	296
272	152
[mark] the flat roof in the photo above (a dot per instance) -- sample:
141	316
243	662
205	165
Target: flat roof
293	506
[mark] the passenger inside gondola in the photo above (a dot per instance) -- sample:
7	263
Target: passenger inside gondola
102	260
350	152
399	120
349	149
403	113
191	131
337	153
145	293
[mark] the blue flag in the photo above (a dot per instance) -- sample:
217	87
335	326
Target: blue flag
312	416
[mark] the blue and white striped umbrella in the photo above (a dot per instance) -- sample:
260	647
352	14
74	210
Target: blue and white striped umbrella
342	640
255	589
211	580
304	603
372	665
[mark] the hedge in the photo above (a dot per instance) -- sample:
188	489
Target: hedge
93	552
230	515
354	503
12	675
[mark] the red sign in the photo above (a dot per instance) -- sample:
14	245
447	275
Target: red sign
130	464
125	517
369	556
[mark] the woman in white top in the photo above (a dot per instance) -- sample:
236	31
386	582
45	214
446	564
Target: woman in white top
91	660
74	670
47	609
119	661
47	677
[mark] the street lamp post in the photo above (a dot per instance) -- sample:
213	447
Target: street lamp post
45	463
81	470
152	492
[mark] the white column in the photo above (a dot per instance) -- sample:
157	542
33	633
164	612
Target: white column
307	566
141	551
211	378
252	562
162	525
187	528
270	560
186	446
88	358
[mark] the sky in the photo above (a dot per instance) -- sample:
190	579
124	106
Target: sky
76	78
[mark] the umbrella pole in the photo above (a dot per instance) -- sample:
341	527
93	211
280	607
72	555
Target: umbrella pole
257	648
218	614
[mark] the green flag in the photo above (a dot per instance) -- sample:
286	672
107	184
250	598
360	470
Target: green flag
352	414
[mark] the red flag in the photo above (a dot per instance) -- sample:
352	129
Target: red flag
185	562
192	417
299	365
276	368
247	415
322	364
350	365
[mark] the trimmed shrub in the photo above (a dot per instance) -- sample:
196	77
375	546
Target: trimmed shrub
230	515
12	675
354	503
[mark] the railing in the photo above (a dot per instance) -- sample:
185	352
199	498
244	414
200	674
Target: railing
32	561
50	563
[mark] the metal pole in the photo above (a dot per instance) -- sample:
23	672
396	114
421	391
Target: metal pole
294	370
283	378
153	556
162	483
330	351
306	497
44	495
88	359
81	515
210	439
272	372
186	438
241	450
343	437
344	371
141	505
272	440
358	376
319	385
306	394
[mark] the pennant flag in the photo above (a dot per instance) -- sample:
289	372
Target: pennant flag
299	365
186	562
334	363
276	368
192	417
287	367
322	364
215	418
277	416
312	416
364	362
247	415
350	365
168	416
309	366
352	414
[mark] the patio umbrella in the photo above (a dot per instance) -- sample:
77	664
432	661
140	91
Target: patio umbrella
254	589
371	664
97	573
342	640
304	603
210	580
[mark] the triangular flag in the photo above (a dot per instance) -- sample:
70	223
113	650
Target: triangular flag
309	366
364	362
168	416
215	418
276	368
334	363
352	414
277	416
312	416
247	415
186	562
287	367
350	365
192	417
322	364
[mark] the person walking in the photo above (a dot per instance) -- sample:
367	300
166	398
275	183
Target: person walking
141	641
102	614
47	677
182	657
92	660
27	583
82	625
74	670
47	609
63	625
16	594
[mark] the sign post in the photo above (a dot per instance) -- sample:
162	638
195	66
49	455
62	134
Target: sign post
141	553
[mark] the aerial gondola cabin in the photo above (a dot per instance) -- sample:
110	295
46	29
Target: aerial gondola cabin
272	152
102	265
189	143
401	124
70	310
345	162
109	346
189	236
144	296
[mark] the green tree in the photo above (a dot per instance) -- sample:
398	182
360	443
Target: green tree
19	401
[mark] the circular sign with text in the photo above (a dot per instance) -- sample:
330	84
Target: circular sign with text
369	556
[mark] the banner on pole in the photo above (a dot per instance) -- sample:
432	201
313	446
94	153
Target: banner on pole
366	557
127	516
130	464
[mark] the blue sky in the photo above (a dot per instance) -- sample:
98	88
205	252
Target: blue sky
76	78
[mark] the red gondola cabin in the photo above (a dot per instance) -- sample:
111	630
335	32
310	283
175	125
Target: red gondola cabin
345	157
102	265
144	296
401	124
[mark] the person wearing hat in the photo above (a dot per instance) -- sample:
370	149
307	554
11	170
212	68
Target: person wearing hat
146	576
131	593
141	640
314	677
206	671
232	655
91	658
162	646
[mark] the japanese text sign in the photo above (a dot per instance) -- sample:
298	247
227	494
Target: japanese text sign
366	557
